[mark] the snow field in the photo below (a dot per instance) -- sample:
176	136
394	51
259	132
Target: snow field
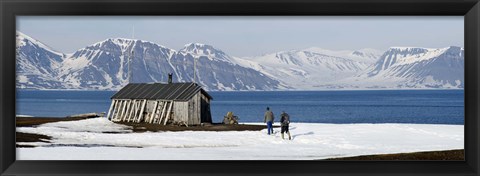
100	139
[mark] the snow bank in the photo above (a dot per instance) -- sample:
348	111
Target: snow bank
100	139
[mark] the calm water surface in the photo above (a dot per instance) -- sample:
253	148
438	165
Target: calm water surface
372	106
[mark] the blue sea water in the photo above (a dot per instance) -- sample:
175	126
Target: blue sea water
359	106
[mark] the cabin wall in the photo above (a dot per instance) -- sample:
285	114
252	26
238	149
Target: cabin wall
198	107
192	112
149	107
180	111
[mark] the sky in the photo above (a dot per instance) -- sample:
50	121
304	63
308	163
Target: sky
249	35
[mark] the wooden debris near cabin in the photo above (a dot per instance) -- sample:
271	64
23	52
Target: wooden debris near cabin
230	118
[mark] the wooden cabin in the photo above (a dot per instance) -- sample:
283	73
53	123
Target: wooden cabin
158	103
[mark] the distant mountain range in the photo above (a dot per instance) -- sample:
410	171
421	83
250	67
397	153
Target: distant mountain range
104	66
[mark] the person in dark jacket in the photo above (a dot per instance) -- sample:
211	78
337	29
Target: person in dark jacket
285	121
268	118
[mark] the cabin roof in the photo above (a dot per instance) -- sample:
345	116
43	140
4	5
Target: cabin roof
160	91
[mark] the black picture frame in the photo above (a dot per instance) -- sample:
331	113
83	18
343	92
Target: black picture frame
9	9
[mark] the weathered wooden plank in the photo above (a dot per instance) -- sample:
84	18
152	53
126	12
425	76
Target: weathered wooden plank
194	110
159	114
113	110
153	112
110	109
176	110
132	110
163	114
197	109
168	113
194	103
119	112
137	113
157	111
190	111
185	112
153	118
124	109
148	110
161	104
141	111
127	110
124	102
138	103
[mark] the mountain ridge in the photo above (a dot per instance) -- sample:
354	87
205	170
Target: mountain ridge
104	66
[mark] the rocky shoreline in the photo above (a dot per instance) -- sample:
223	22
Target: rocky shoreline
136	127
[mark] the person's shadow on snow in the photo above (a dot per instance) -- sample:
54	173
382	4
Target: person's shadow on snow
303	134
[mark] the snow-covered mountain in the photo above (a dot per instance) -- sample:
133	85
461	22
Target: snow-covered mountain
366	55
308	68
215	69
412	67
104	65
37	65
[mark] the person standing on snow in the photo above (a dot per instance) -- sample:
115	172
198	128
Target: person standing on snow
285	121
268	118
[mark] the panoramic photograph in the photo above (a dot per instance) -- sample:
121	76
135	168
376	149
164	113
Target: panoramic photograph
240	88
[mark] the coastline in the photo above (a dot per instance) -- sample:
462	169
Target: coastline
136	127
34	121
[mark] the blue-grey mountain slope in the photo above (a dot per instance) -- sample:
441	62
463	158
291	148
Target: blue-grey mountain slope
104	66
37	65
413	67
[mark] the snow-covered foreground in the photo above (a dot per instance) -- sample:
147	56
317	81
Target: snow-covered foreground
100	139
